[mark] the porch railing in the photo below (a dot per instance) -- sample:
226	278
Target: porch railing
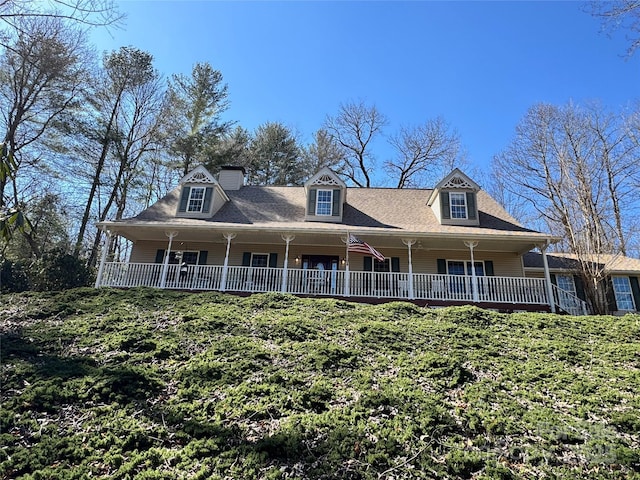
569	302
335	283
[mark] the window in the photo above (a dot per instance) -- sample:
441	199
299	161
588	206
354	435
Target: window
379	266
458	205
566	283
324	201
622	290
196	199
259	260
459	267
190	258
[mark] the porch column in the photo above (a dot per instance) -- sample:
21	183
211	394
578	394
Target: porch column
165	266
347	276
285	272
547	276
409	242
474	279
225	266
103	259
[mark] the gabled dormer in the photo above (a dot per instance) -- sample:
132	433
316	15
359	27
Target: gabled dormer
201	196
454	200
326	195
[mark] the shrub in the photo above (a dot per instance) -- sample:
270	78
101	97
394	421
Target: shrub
58	270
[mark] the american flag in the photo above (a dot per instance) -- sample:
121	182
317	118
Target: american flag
357	245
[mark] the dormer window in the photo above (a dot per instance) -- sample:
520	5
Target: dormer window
201	196
324	202
454	200
458	205
196	199
326	196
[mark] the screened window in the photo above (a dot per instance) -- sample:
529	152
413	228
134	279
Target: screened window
324	202
458	203
622	290
196	199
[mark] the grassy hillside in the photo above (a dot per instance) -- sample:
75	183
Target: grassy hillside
165	385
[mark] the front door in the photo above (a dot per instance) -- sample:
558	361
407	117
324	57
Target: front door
324	279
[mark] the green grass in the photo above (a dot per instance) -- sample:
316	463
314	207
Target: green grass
148	384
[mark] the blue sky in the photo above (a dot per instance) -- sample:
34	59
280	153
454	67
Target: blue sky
479	65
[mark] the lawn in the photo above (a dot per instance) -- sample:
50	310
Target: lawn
148	384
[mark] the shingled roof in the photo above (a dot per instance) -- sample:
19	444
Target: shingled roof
366	208
568	261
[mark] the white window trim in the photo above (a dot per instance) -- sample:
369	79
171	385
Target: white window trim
629	292
466	207
330	203
204	194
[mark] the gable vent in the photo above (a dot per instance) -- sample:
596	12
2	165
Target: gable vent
457	182
326	180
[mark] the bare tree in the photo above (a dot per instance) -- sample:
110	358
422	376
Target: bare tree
424	152
620	14
573	167
123	72
85	12
354	127
42	76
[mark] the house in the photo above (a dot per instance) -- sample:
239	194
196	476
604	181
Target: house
620	287
453	244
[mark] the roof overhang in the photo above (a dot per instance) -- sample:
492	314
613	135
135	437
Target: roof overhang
320	234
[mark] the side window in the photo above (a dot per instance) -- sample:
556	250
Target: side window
566	283
458	205
624	295
324	201
196	199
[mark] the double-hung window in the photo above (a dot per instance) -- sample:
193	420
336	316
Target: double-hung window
196	199
624	295
324	200
566	283
458	205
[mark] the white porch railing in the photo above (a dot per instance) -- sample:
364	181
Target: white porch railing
569	302
332	283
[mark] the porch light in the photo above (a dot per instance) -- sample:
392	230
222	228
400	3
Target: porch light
298	259
343	261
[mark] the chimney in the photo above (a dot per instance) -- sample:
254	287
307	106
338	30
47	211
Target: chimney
231	178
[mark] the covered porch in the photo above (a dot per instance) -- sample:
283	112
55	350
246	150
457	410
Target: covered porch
292	271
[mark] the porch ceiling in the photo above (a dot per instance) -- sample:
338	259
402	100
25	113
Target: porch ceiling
487	241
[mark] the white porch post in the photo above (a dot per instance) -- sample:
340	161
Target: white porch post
225	266
165	266
347	276
474	278
103	259
285	272
409	242
547	276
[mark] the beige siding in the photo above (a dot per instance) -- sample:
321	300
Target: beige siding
424	261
